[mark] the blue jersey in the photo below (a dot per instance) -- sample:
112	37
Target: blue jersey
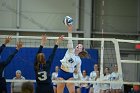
3	64
43	75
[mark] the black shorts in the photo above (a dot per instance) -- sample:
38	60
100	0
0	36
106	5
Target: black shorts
44	88
76	87
55	86
3	88
91	85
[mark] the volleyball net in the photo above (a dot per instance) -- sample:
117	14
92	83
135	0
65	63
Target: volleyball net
111	51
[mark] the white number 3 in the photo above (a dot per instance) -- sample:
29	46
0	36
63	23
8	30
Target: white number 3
42	75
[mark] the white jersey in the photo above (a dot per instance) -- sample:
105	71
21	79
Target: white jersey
92	75
76	77
70	60
106	86
115	76
85	79
54	76
97	86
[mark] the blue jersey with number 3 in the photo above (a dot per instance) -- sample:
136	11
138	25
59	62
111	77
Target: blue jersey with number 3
43	73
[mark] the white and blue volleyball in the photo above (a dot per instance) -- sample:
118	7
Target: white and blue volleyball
68	20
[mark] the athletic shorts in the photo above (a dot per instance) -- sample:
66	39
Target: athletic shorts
65	75
76	87
44	88
55	85
84	90
91	85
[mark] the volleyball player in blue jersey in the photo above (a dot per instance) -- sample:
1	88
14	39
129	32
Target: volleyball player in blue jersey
42	67
4	63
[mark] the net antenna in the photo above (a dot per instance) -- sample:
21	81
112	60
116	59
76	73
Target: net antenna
102	41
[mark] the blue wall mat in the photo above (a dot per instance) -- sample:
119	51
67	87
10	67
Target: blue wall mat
24	60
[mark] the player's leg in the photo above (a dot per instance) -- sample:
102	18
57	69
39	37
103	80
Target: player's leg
71	86
91	89
60	86
77	90
55	88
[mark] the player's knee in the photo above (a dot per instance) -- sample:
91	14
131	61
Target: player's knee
59	86
72	91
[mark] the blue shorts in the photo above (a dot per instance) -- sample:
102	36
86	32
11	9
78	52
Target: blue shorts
55	85
65	75
84	90
76	87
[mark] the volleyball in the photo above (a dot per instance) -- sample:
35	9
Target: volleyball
68	20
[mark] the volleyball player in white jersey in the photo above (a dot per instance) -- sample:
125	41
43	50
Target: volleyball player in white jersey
77	85
105	87
54	77
85	86
70	61
92	77
97	86
115	76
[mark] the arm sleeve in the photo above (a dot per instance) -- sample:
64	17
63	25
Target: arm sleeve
8	60
1	48
70	42
51	57
39	51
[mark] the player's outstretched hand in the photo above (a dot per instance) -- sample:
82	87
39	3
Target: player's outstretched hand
61	38
43	40
19	45
7	39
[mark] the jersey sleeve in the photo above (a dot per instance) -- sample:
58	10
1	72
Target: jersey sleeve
8	60
91	76
39	51
1	48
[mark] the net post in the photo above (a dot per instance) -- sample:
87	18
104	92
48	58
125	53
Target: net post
118	57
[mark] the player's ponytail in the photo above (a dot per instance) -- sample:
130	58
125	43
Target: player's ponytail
84	54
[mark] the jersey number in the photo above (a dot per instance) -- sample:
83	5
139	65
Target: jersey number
42	75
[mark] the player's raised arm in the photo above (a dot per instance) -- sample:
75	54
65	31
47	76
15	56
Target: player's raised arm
8	60
7	40
70	42
43	42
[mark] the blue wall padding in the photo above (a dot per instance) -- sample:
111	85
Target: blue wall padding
24	61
